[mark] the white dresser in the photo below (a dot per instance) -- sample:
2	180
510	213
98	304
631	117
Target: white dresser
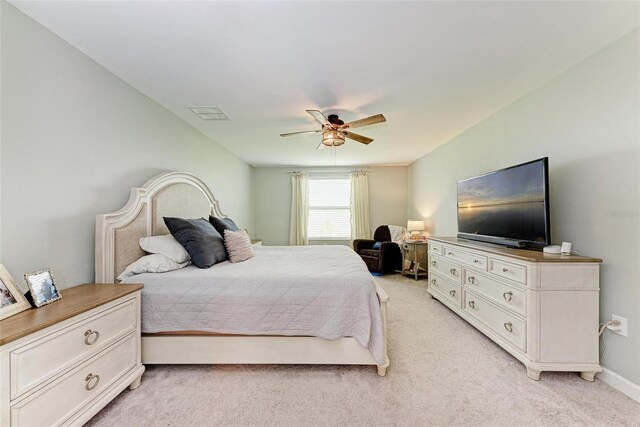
60	364
541	308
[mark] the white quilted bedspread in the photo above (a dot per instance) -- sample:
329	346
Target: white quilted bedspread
321	291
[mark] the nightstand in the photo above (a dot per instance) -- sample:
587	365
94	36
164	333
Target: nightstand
256	242
418	248
63	362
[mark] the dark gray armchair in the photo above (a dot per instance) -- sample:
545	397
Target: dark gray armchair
384	259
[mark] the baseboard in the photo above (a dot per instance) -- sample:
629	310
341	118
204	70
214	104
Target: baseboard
620	383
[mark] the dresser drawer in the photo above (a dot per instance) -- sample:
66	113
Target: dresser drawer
435	248
502	294
468	258
65	396
445	268
34	363
448	290
517	273
507	325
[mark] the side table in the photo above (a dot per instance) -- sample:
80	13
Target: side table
419	250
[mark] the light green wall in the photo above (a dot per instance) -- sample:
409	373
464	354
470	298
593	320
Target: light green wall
272	189
2	3
75	139
587	121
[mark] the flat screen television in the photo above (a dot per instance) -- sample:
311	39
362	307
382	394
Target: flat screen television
508	206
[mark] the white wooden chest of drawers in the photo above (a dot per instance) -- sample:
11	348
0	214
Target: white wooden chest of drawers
541	308
60	364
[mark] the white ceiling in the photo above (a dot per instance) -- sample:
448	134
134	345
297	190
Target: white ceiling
434	69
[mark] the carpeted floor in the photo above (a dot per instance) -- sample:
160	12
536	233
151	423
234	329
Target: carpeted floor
443	372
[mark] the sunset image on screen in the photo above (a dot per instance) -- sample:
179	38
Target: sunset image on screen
507	203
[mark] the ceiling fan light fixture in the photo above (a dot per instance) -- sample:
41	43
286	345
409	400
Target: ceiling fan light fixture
332	138
334	130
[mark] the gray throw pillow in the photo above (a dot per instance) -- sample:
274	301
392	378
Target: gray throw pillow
203	243
222	224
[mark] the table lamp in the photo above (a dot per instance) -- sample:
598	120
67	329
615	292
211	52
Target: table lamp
415	227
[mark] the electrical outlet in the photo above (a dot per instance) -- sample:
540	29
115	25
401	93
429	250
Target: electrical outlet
620	329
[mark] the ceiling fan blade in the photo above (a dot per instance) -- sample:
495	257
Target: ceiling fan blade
317	114
356	137
378	118
300	133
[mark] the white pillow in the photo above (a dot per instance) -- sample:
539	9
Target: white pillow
238	245
396	232
166	245
154	263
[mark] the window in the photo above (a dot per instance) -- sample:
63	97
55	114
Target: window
329	209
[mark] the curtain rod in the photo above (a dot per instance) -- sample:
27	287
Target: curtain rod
330	170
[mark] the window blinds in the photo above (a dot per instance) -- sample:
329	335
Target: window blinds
329	209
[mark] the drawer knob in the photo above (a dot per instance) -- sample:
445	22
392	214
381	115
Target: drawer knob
508	326
471	280
504	270
453	271
434	249
507	295
90	384
476	261
472	304
433	263
433	281
452	293
451	253
88	334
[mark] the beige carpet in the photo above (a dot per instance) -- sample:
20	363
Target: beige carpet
443	372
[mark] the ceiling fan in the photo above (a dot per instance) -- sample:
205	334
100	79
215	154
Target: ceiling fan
334	131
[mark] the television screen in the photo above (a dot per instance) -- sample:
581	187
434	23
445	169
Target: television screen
507	206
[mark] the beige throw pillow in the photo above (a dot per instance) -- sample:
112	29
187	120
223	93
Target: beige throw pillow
238	245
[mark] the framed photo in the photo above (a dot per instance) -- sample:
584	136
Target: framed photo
42	287
11	299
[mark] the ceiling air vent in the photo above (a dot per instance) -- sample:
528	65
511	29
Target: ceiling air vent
210	113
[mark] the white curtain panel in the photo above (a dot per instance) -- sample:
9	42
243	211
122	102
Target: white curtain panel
299	209
360	206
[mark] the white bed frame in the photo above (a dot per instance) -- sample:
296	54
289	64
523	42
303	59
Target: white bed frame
181	194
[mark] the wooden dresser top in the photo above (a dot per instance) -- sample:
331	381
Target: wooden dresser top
523	254
75	300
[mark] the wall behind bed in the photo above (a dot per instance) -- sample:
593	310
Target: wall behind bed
272	187
75	139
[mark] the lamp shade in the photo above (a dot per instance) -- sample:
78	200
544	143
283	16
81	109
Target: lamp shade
415	225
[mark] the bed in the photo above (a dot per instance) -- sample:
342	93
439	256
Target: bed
284	306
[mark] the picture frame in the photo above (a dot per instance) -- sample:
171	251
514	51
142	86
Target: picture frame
12	301
42	287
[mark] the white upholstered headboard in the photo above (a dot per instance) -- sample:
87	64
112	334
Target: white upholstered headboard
176	194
